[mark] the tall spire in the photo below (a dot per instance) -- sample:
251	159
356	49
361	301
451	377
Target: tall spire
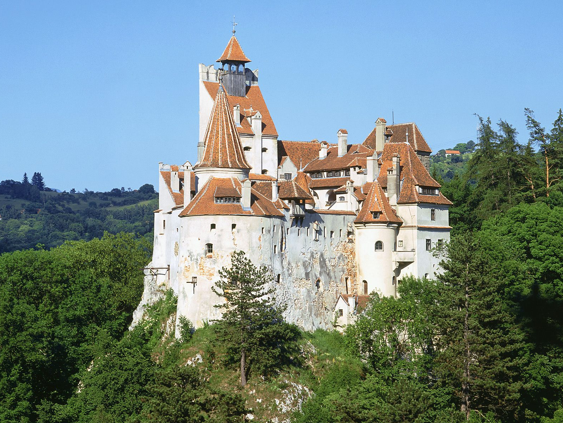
223	148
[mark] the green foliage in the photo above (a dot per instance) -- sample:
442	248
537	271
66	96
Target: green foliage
186	329
51	218
251	326
181	394
53	305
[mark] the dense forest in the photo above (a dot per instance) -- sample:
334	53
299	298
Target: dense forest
32	214
483	342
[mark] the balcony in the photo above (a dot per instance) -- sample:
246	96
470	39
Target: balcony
404	256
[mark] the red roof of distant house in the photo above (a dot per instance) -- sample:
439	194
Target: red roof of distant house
452	152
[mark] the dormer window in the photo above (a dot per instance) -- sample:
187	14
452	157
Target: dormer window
227	200
316	175
375	214
428	191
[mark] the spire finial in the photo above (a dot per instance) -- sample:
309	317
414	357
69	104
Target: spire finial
234	25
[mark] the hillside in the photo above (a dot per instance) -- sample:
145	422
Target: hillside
30	216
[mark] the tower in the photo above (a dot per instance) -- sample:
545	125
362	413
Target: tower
233	70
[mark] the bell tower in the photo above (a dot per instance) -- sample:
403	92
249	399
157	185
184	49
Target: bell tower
233	70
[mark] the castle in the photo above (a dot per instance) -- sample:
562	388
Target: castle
332	222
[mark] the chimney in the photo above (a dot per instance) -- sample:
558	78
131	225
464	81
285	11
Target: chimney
275	190
187	187
200	147
246	194
342	142
372	167
324	149
236	115
394	180
380	134
174	180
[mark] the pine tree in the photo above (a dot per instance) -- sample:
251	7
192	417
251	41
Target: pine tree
478	341
251	325
37	181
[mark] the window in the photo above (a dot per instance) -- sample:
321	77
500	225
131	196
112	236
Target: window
340	233
278	278
226	200
209	249
287	176
332	234
400	243
340	312
212	227
246	148
164	224
378	246
347	172
347	282
318	284
429	191
316	175
264	171
365	286
287	231
298	232
262	230
440	243
233	226
428	245
264	150
341	198
275	249
375	214
432	214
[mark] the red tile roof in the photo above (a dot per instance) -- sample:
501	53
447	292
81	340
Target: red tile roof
328	182
355	156
253	100
233	52
204	202
376	201
290	190
260	177
413	175
452	152
177	196
301	153
399	134
222	142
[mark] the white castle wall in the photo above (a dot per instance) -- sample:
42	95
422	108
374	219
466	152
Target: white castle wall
298	254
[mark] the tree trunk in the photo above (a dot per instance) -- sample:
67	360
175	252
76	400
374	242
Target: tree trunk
243	368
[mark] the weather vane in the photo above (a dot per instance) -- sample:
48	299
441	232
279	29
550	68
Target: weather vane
234	25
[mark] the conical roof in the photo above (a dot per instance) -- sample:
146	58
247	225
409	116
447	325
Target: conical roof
233	52
376	208
222	142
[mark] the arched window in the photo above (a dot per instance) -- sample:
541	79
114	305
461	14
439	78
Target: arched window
378	246
365	284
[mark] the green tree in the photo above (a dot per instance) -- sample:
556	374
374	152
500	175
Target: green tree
37	181
478	342
251	326
180	394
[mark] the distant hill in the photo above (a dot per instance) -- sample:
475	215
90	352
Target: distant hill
450	162
29	216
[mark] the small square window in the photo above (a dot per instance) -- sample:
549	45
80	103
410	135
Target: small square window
400	243
212	227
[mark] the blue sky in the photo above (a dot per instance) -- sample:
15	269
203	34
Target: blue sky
94	94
